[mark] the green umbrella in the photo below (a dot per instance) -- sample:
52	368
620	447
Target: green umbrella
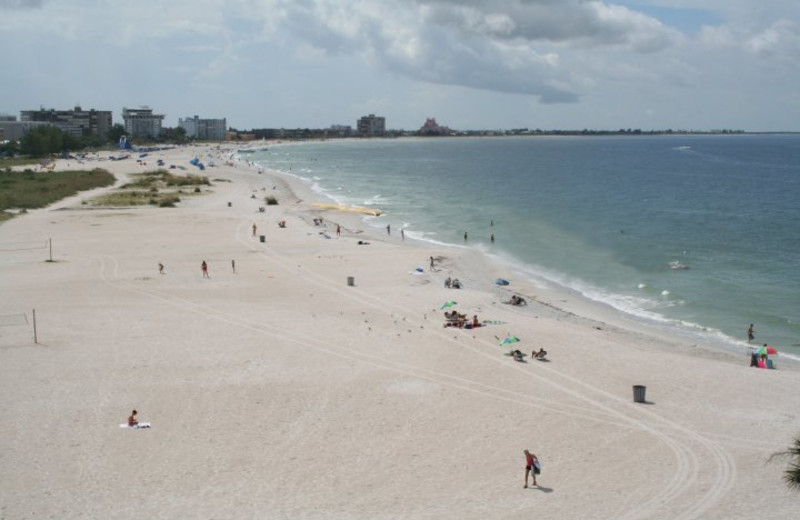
448	304
509	340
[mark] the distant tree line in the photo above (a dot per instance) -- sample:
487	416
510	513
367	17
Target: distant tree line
47	140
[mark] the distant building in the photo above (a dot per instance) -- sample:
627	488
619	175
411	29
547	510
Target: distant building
339	131
210	129
13	130
431	127
142	123
371	126
78	122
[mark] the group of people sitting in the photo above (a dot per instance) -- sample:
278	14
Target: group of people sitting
518	355
318	221
452	284
517	300
454	319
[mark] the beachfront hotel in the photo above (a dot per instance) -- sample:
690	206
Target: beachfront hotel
208	129
142	122
78	122
371	126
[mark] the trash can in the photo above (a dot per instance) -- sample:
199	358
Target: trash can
262	238
229	204
351	281
638	393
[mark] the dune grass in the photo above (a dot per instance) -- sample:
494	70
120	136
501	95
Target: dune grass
10	162
30	190
157	188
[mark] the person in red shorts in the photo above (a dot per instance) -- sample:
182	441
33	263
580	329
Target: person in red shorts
531	467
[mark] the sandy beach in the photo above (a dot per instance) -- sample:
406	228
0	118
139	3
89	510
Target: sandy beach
280	391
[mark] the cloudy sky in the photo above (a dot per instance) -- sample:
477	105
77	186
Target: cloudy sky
472	64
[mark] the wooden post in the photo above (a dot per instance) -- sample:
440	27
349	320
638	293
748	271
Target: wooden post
35	337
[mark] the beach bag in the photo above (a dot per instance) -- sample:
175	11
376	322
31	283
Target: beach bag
537	468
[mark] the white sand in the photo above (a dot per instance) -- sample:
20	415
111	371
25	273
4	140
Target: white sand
280	392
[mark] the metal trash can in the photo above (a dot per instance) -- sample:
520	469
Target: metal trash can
638	393
262	238
351	281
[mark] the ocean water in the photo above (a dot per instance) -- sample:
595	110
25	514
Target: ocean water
697	233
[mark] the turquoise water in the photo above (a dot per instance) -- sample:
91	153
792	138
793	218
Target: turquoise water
696	232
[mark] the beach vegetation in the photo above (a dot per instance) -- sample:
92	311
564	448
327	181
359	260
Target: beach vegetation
29	189
271	200
6	163
45	140
158	188
168	201
116	132
792	474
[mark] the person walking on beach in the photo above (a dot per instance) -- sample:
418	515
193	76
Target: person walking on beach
255	228
465	236
204	268
388	229
750	333
402	234
531	467
431	263
338	230
160	268
233	266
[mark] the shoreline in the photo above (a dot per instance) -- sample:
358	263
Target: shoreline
670	330
260	383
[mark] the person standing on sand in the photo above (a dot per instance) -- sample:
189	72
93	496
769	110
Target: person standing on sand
204	268
530	467
160	268
465	236
388	229
402	234
233	266
431	263
750	333
255	228
338	230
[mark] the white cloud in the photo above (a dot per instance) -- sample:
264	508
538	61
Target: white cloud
335	54
781	39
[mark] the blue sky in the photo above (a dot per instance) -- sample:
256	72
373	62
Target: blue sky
472	64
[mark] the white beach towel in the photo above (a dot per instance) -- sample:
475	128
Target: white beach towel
136	427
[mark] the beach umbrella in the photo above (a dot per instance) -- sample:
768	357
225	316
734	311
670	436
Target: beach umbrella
770	351
448	304
509	340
